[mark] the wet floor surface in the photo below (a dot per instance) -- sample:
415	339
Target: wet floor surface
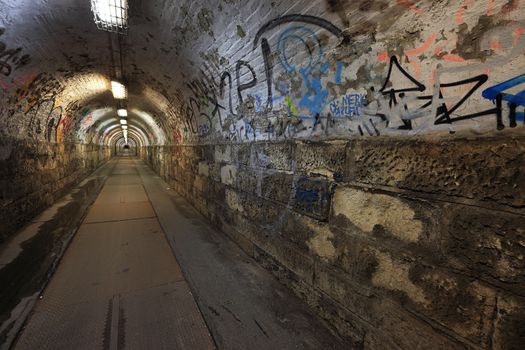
120	286
29	258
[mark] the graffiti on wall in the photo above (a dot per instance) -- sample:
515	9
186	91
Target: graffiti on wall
300	76
393	102
500	92
300	88
44	119
45	116
11	58
349	105
37	100
219	99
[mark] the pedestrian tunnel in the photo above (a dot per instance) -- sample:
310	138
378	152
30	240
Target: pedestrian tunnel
262	174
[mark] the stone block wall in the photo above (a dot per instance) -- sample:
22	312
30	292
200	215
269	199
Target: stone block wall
33	174
398	243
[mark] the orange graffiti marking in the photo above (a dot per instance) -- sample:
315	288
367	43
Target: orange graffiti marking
432	78
62	127
60	133
448	57
490	7
416	66
24	81
460	13
495	44
453	58
518	32
382	56
408	4
424	47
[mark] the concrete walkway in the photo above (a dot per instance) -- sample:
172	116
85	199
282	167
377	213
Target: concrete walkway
119	285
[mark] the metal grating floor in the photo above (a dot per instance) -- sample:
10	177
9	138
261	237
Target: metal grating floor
119	285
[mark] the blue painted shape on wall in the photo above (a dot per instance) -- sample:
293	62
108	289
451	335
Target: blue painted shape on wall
312	197
493	91
348	105
338	73
302	35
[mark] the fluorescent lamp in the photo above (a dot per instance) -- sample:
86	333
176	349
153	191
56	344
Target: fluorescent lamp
122	112
119	90
123	121
124	127
111	15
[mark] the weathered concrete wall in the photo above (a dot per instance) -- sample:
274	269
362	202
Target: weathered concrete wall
400	244
33	174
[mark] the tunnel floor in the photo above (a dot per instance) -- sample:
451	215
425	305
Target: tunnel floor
145	271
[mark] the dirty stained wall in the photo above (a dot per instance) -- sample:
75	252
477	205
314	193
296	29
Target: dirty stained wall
369	153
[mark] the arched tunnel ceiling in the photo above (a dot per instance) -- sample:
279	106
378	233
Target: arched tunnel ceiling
233	70
63	72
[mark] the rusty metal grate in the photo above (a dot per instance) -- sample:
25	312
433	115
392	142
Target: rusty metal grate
111	15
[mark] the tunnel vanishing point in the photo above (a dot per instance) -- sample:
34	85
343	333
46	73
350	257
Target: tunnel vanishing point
226	174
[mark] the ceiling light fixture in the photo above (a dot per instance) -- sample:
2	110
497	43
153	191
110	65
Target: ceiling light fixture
123	121
124	127
119	90
111	15
122	112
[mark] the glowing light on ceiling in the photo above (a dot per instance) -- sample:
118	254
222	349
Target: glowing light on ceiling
122	112
111	15
123	121
124	127
119	90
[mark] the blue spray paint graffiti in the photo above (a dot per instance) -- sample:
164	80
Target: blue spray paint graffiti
311	69
313	196
261	103
347	106
339	73
497	93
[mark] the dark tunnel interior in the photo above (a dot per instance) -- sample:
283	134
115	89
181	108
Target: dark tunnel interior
226	174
